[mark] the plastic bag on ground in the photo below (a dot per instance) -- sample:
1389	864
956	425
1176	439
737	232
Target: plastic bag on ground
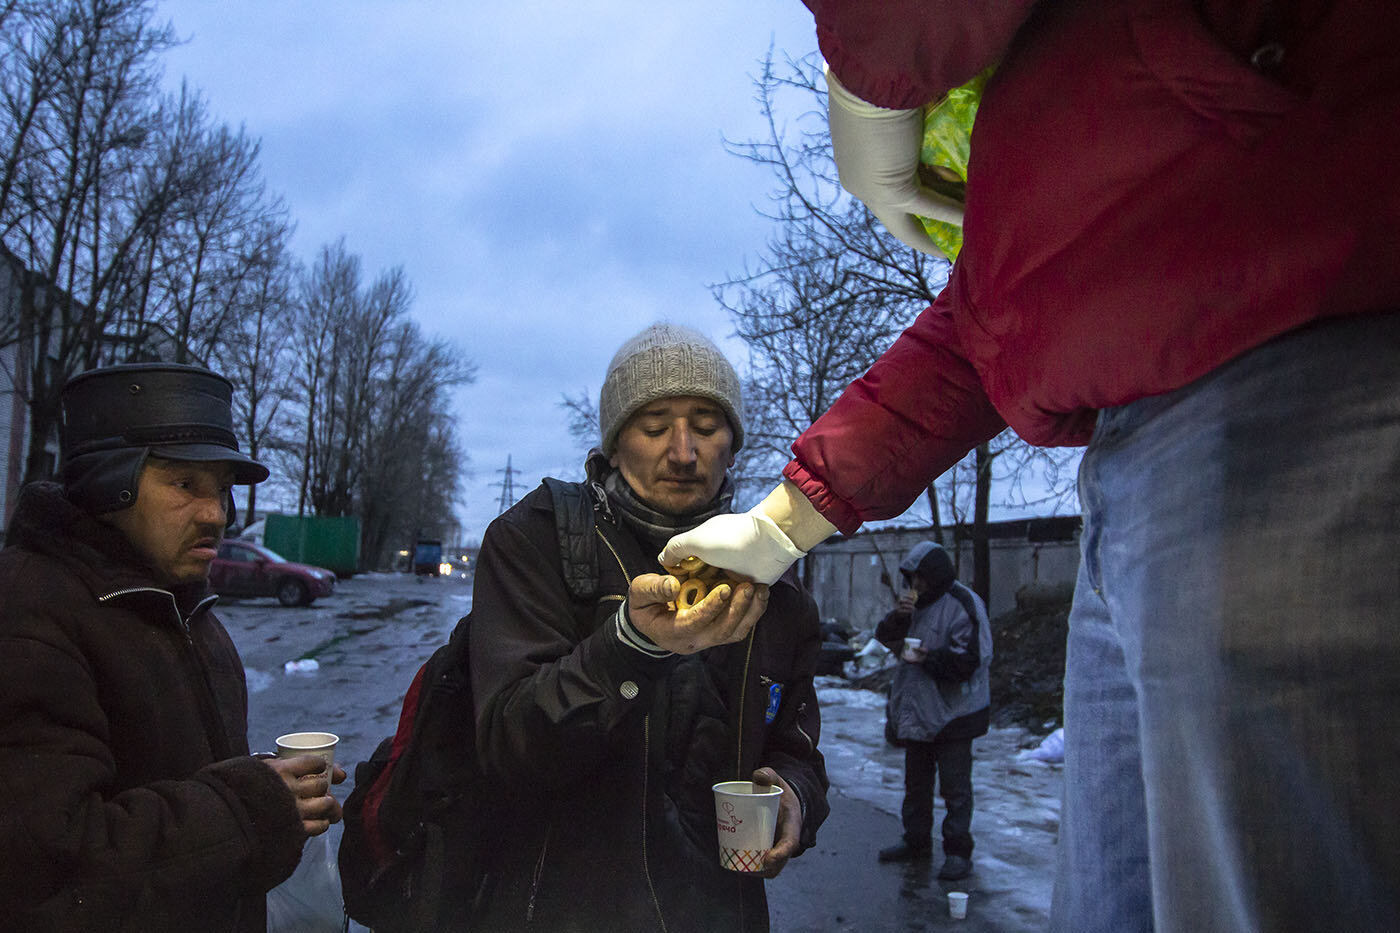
1051	749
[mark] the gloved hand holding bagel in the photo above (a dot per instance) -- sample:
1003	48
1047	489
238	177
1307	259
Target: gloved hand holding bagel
760	544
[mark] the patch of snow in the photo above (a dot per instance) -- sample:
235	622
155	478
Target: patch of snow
835	691
1051	749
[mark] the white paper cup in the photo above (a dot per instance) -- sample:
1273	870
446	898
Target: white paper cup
957	905
320	744
746	817
913	644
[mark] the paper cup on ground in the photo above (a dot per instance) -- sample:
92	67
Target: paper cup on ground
320	744
957	905
746	817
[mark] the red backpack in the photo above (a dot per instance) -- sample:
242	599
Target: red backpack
415	850
412	854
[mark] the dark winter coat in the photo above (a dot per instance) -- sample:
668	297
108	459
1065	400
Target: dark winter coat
608	756
127	800
947	695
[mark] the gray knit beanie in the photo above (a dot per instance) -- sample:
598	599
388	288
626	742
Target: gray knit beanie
664	361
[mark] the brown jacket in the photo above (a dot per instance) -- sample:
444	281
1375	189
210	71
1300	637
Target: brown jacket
127	797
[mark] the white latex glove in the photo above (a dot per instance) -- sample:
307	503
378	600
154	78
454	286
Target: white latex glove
877	157
749	543
761	543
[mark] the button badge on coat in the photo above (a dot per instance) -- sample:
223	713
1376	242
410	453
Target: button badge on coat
775	699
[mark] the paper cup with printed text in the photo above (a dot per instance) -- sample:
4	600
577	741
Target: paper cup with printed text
746	817
320	744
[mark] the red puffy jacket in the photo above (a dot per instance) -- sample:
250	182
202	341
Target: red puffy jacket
1143	205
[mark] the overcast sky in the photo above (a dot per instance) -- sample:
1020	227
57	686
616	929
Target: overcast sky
550	175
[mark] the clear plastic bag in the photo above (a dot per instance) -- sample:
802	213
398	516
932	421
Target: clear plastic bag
309	901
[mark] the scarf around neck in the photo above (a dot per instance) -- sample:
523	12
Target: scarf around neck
655	527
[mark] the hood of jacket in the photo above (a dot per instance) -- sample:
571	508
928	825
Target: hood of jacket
933	565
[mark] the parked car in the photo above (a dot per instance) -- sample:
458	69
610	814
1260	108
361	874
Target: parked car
247	569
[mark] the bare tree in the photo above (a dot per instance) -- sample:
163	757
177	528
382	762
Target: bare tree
374	436
413	462
828	294
133	219
255	356
138	228
211	233
581	413
78	81
329	294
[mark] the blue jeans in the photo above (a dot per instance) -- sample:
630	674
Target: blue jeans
1232	682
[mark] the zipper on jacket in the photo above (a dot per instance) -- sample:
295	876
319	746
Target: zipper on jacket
646	788
535	878
182	619
811	746
617	557
220	745
743	698
646	761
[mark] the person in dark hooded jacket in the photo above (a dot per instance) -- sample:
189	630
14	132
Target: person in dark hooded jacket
130	801
940	701
607	721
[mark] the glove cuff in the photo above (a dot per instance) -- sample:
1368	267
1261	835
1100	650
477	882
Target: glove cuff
795	517
837	95
780	554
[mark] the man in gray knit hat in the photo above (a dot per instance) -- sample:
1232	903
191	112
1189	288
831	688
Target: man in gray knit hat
607	711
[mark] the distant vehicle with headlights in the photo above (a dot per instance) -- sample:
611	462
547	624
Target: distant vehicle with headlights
457	567
427	558
247	569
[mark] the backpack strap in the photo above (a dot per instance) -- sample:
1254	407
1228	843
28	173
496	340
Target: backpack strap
574	521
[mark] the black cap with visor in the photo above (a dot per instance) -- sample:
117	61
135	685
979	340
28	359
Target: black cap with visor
117	416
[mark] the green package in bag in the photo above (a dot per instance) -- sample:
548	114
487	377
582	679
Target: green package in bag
947	139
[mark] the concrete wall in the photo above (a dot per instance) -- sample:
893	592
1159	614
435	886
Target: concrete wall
14	412
847	584
12	432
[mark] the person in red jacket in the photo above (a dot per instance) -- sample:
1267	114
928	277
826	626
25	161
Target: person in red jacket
1181	246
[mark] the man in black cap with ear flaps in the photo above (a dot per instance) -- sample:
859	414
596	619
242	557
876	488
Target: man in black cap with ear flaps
130	799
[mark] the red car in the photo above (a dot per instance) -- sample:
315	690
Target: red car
247	569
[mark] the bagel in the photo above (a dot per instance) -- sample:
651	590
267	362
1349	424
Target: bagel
692	591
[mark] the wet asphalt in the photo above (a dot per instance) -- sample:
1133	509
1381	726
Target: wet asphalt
370	636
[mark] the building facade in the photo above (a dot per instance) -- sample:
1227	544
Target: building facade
855	579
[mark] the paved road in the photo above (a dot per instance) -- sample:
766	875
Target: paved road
370	637
839	885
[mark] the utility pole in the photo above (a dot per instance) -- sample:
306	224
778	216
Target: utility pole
507	486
